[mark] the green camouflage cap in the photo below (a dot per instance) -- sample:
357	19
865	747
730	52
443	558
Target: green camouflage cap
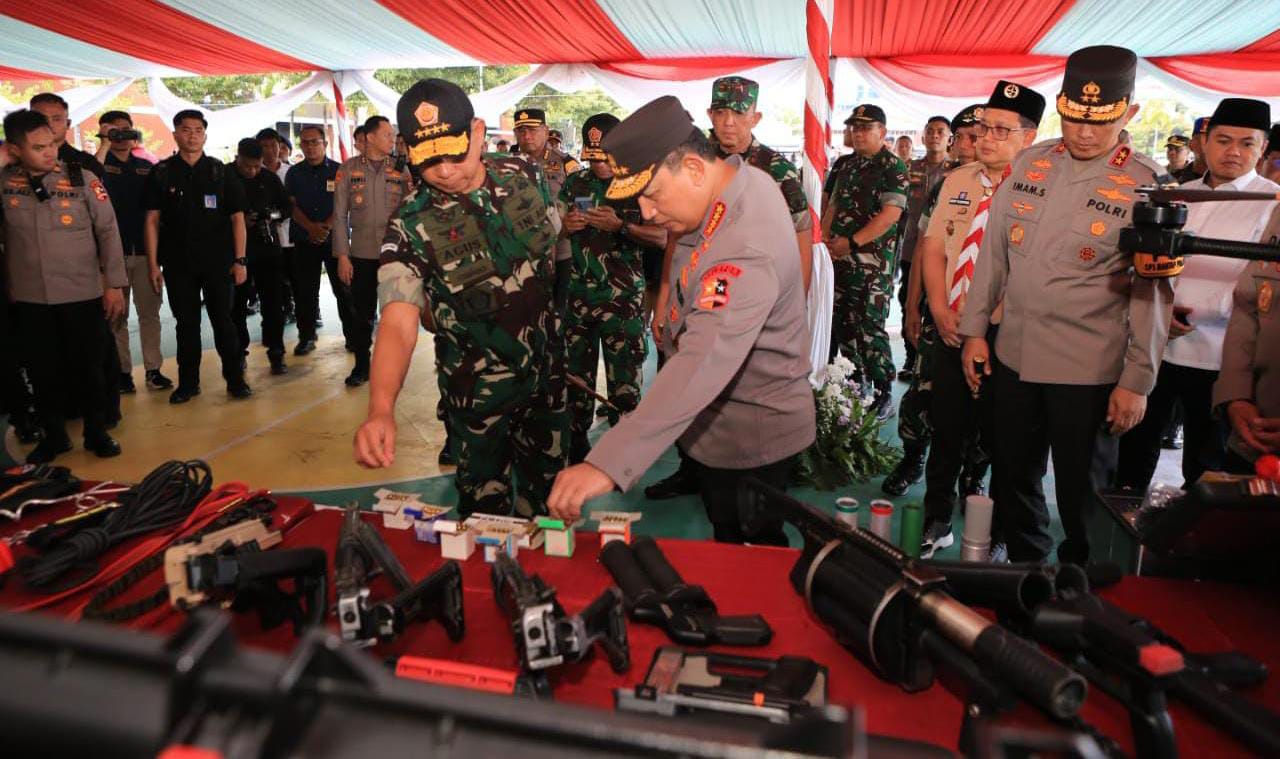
736	92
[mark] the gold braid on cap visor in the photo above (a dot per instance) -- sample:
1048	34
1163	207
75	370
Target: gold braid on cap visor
1070	109
625	184
440	147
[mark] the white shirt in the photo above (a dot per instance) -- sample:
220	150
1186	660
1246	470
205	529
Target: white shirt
1207	282
285	242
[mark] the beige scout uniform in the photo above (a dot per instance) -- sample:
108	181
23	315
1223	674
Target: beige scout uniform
1075	313
366	194
962	190
735	389
57	251
1251	351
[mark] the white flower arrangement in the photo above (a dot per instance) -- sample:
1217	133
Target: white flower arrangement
848	447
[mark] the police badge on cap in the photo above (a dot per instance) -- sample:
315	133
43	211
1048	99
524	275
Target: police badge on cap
865	114
593	131
636	146
968	117
434	117
530	117
1022	100
1098	84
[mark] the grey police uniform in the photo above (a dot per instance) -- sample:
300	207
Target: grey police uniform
1251	350
1077	322
734	389
366	194
58	251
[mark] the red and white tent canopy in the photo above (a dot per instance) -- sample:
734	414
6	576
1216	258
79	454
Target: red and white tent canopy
917	57
931	47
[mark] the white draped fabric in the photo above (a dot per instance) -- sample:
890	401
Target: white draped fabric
822	301
1201	99
82	102
855	81
228	125
781	88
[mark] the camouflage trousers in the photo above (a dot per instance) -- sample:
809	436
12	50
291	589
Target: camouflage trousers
508	461
914	425
619	327
863	294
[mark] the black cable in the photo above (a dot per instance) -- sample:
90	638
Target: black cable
163	500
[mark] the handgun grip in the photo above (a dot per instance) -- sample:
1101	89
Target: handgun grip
605	621
747	630
438	596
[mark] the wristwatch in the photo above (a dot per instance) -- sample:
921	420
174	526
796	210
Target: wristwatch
241	261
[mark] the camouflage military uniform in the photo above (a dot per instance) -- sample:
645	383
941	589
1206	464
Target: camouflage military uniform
606	305
483	261
913	410
783	172
864	279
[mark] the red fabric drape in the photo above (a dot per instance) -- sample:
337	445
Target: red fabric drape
1268	44
683	69
503	31
8	74
1241	74
964	75
153	31
879	28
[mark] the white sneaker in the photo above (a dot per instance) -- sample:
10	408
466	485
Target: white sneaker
937	535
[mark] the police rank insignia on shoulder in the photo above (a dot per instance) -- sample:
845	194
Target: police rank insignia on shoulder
1264	298
99	191
1121	157
713	223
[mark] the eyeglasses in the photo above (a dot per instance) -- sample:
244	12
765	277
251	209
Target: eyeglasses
312	141
1000	133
